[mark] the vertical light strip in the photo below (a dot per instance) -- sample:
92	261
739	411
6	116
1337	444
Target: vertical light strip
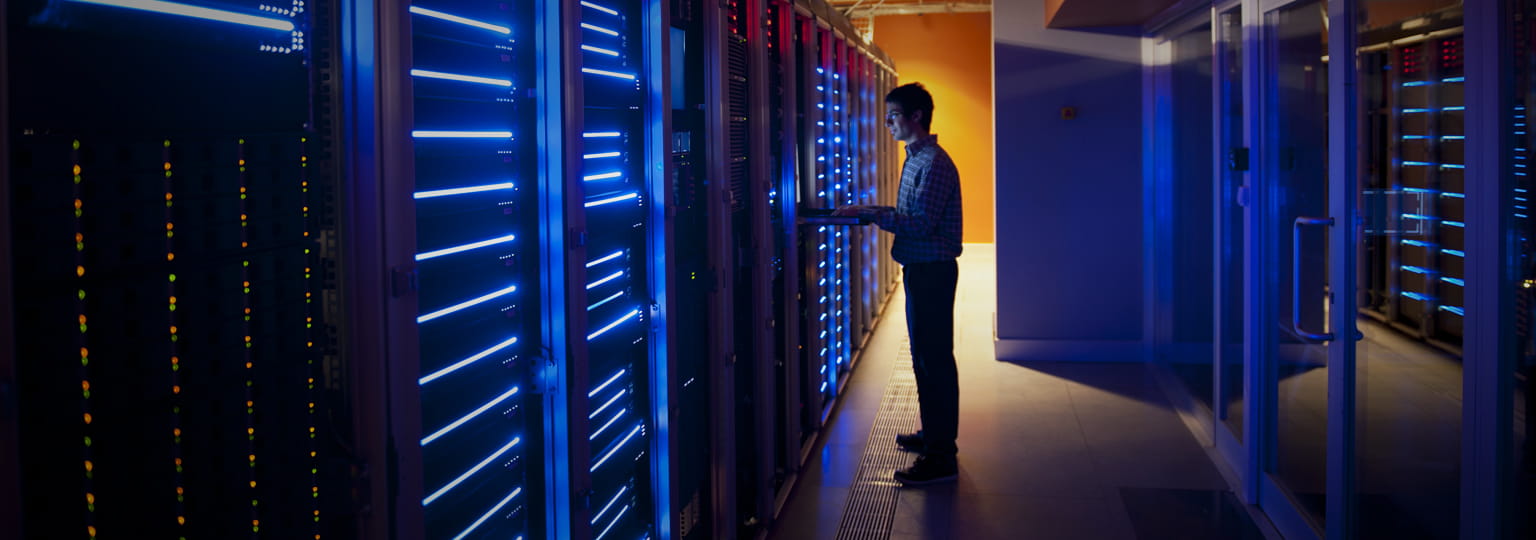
309	345
85	354
250	373
176	400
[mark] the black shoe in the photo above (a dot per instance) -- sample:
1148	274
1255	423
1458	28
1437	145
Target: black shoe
911	442
929	470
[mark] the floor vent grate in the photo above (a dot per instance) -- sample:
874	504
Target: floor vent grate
872	498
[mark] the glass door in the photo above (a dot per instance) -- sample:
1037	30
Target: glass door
1288	258
1409	262
1230	176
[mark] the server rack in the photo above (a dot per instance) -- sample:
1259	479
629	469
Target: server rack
480	322
175	213
1414	277
508	278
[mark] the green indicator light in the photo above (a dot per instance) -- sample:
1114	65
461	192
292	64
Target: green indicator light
87	440
77	179
79	246
167	143
77	213
173	278
82	329
82	294
87	394
75	144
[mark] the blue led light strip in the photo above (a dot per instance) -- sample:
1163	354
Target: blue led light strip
1454	309
610	326
599	8
602	176
602	155
461	78
465	247
464	190
451	309
1420	217
614	522
600	50
477	412
467	361
471	472
1454	252
600	134
488	514
616	447
1418	243
615	255
608	404
1454	281
599	29
1417	270
598	283
601	202
1416	296
195	12
605	384
437	134
1457	224
461	20
615	499
605	301
606	73
605	426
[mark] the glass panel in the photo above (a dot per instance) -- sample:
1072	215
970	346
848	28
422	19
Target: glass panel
1410	272
1229	225
1188	331
476	234
1297	167
1523	17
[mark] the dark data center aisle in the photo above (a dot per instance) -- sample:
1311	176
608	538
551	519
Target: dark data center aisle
1048	450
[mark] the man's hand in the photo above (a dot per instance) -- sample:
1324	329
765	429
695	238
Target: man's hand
856	210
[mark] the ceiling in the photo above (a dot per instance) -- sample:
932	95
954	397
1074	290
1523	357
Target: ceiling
1058	13
1081	13
862	9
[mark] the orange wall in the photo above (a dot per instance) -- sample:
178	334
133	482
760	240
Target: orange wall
951	54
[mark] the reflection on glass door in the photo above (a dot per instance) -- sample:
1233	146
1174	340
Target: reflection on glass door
1523	140
1230	176
1411	259
1187	332
1293	251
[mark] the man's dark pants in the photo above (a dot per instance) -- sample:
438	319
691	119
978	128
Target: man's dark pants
930	289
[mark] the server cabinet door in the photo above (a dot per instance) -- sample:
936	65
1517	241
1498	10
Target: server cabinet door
173	232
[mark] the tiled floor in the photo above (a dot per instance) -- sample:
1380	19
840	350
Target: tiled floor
1047	450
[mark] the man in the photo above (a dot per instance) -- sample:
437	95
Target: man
927	225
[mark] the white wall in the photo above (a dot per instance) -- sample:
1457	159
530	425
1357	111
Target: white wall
1069	192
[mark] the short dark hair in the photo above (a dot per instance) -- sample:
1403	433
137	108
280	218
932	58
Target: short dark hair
913	97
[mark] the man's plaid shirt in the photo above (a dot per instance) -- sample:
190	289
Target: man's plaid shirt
926	220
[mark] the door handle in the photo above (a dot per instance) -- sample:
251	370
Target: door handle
1302	221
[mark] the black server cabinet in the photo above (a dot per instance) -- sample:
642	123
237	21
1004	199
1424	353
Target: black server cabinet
173	215
480	322
618	363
